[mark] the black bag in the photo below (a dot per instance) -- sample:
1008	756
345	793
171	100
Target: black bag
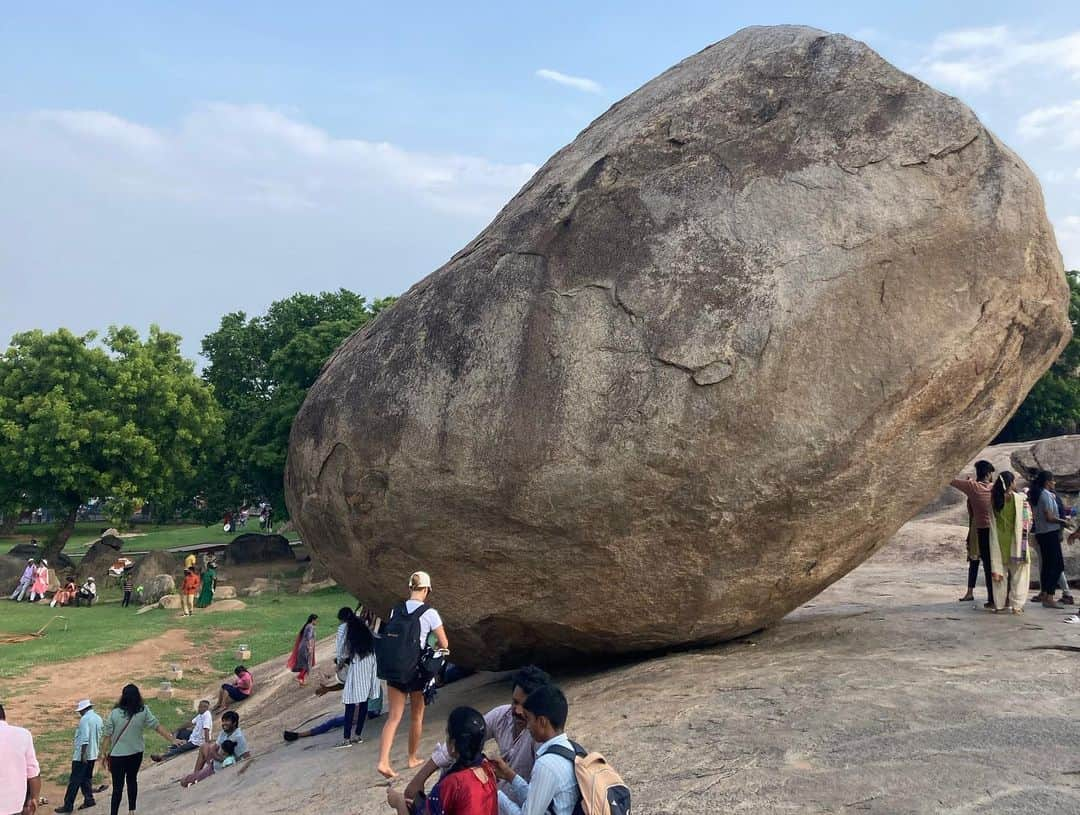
397	648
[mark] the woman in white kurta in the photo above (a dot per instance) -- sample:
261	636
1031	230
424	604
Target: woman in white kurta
355	659
1012	521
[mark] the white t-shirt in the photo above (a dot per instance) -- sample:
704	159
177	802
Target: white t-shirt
429	620
201	720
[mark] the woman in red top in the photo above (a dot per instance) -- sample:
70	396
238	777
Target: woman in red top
188	589
469	786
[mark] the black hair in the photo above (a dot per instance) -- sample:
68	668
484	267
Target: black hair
232	716
131	701
358	638
1001	486
228	747
3	715
1038	484
550	702
239	669
345	614
983	468
467	731
530	678
311	618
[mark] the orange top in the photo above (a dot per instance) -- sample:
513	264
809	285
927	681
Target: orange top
191	584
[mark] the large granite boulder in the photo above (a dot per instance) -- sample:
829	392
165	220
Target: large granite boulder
102	554
252	547
152	564
1060	455
155	588
704	363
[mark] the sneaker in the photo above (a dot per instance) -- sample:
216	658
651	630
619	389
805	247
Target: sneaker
289	735
88	804
988	604
345	743
63	809
356	740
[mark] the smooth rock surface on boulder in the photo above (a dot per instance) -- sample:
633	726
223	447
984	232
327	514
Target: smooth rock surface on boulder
99	557
711	356
1060	455
169	601
155	588
254	548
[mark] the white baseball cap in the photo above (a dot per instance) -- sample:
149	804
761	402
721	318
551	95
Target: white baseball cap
83	705
420	580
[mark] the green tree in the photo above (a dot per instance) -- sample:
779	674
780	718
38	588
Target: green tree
260	369
125	420
1052	408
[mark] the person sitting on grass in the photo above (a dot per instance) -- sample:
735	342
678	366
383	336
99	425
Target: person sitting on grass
230	730
193	739
87	592
65	595
222	755
238	690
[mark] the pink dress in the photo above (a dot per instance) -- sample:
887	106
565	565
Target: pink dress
41	580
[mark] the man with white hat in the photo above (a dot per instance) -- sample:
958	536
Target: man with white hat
88	592
25	581
87	739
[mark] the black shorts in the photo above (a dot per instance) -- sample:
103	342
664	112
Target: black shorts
417	684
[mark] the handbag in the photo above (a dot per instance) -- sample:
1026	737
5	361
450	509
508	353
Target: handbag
119	736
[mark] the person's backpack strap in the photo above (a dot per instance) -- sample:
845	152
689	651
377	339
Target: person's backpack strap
565	752
418	611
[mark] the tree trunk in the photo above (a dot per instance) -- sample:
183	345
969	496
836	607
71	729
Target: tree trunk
8	525
59	539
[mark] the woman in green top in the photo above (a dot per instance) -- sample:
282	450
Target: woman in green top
209	578
1012	520
123	745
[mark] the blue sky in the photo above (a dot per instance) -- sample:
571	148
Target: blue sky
168	164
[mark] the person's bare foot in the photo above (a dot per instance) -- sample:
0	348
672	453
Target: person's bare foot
415	762
386	771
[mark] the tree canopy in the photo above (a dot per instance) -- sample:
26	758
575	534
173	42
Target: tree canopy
123	419
1052	408
260	369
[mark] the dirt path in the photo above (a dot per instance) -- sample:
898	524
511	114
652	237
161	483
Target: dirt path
45	701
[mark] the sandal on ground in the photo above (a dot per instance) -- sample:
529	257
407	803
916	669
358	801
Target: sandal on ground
988	604
1073	619
966	599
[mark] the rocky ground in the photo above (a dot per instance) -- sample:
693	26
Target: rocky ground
882	695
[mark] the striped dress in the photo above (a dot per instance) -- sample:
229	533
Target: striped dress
361	681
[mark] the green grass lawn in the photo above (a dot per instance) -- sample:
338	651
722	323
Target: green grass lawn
150	537
269	625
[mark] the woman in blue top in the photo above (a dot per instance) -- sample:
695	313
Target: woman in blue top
1047	526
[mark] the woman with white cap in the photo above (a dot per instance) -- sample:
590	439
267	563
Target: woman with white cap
430	623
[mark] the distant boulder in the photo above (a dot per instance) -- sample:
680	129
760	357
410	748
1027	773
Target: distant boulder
157	587
153	564
1060	455
99	557
254	548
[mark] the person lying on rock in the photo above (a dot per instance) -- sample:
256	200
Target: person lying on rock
190	739
238	690
230	731
505	724
325	726
468	786
223	755
981	518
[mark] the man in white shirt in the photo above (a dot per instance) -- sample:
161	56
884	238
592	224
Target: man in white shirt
553	784
201	726
20	775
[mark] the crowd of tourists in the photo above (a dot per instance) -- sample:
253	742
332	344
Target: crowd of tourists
36	583
1006	523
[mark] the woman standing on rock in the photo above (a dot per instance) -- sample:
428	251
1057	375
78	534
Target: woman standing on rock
1048	526
209	581
412	615
355	659
981	519
123	746
302	658
1012	520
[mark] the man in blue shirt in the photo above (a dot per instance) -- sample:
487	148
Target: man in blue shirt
553	780
87	739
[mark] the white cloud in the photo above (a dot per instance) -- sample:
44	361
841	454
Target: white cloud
108	220
1061	123
978	59
578	82
250	156
1068	236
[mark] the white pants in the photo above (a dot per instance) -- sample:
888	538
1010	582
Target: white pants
1019	580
